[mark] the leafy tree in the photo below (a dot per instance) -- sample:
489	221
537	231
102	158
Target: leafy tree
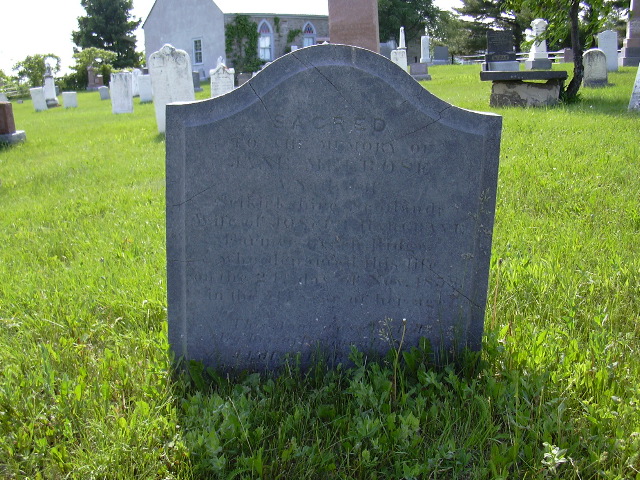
498	15
413	15
109	25
575	19
100	60
461	36
32	69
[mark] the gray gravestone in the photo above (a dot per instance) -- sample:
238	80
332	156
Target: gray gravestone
500	55
595	68
298	223
441	55
608	43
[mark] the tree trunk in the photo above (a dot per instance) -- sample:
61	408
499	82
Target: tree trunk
571	91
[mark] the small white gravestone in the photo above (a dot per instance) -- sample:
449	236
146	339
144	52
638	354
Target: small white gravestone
399	56
38	99
104	92
634	103
70	99
538	56
135	87
221	80
3	97
595	68
539	47
425	47
144	85
608	43
120	89
171	80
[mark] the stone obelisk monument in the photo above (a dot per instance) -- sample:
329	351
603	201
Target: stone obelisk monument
630	54
354	22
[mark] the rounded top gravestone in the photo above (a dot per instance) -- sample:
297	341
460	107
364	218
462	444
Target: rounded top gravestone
328	194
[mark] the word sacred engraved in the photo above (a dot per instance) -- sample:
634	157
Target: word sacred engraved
335	123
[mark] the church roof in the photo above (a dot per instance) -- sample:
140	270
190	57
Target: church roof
274	7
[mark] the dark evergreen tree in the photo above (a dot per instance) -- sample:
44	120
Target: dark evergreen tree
413	15
497	15
109	25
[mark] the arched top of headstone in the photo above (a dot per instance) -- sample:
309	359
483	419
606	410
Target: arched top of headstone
348	64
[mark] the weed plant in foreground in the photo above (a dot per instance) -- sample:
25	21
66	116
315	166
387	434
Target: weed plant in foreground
86	388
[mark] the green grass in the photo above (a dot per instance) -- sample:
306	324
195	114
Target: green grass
85	385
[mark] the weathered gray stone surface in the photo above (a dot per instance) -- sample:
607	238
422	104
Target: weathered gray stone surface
38	99
104	92
608	43
299	222
120	90
419	71
595	68
171	80
515	89
144	88
221	80
70	99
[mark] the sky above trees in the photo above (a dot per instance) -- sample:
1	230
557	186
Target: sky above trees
40	26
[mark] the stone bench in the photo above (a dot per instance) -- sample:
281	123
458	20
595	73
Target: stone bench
520	89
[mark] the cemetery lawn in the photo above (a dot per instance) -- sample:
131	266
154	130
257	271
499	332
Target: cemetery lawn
86	389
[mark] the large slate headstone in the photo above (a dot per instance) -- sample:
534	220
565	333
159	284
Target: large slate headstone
299	222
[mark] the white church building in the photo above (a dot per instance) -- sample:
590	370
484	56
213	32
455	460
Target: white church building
198	27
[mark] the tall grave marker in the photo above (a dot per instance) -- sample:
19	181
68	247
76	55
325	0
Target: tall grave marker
121	92
38	99
171	80
354	22
608	43
298	223
630	53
